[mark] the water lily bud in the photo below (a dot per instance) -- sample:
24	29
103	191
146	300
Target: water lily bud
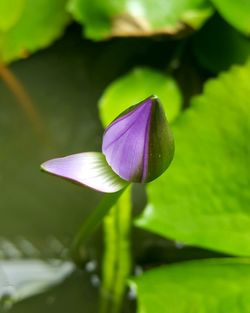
138	144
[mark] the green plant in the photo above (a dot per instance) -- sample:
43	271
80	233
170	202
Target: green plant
194	55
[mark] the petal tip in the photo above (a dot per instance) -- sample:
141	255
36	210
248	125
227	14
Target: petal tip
43	167
46	167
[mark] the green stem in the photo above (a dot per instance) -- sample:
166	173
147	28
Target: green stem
91	223
109	259
117	256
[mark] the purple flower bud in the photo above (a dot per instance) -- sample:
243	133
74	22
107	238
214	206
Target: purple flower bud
138	144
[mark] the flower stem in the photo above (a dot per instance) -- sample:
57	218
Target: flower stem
117	256
91	223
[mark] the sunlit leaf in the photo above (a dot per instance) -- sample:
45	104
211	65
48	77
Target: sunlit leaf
20	279
103	19
218	46
29	25
10	11
196	286
136	86
203	198
237	13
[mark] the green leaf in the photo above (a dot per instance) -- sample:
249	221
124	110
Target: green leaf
218	285
203	198
214	39
236	13
33	26
103	19
10	12
20	279
135	86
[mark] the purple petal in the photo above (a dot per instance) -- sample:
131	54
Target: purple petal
89	169
125	142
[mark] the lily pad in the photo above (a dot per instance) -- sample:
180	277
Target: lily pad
109	18
236	13
10	12
196	286
27	26
135	86
203	198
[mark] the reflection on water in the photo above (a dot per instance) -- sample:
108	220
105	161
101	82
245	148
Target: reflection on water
20	279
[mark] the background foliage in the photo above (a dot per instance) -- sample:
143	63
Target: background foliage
64	64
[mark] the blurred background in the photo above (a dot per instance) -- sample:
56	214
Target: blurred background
63	66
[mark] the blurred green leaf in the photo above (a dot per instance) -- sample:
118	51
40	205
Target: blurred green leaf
237	13
10	11
135	86
109	18
218	46
218	285
29	25
203	199
20	279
